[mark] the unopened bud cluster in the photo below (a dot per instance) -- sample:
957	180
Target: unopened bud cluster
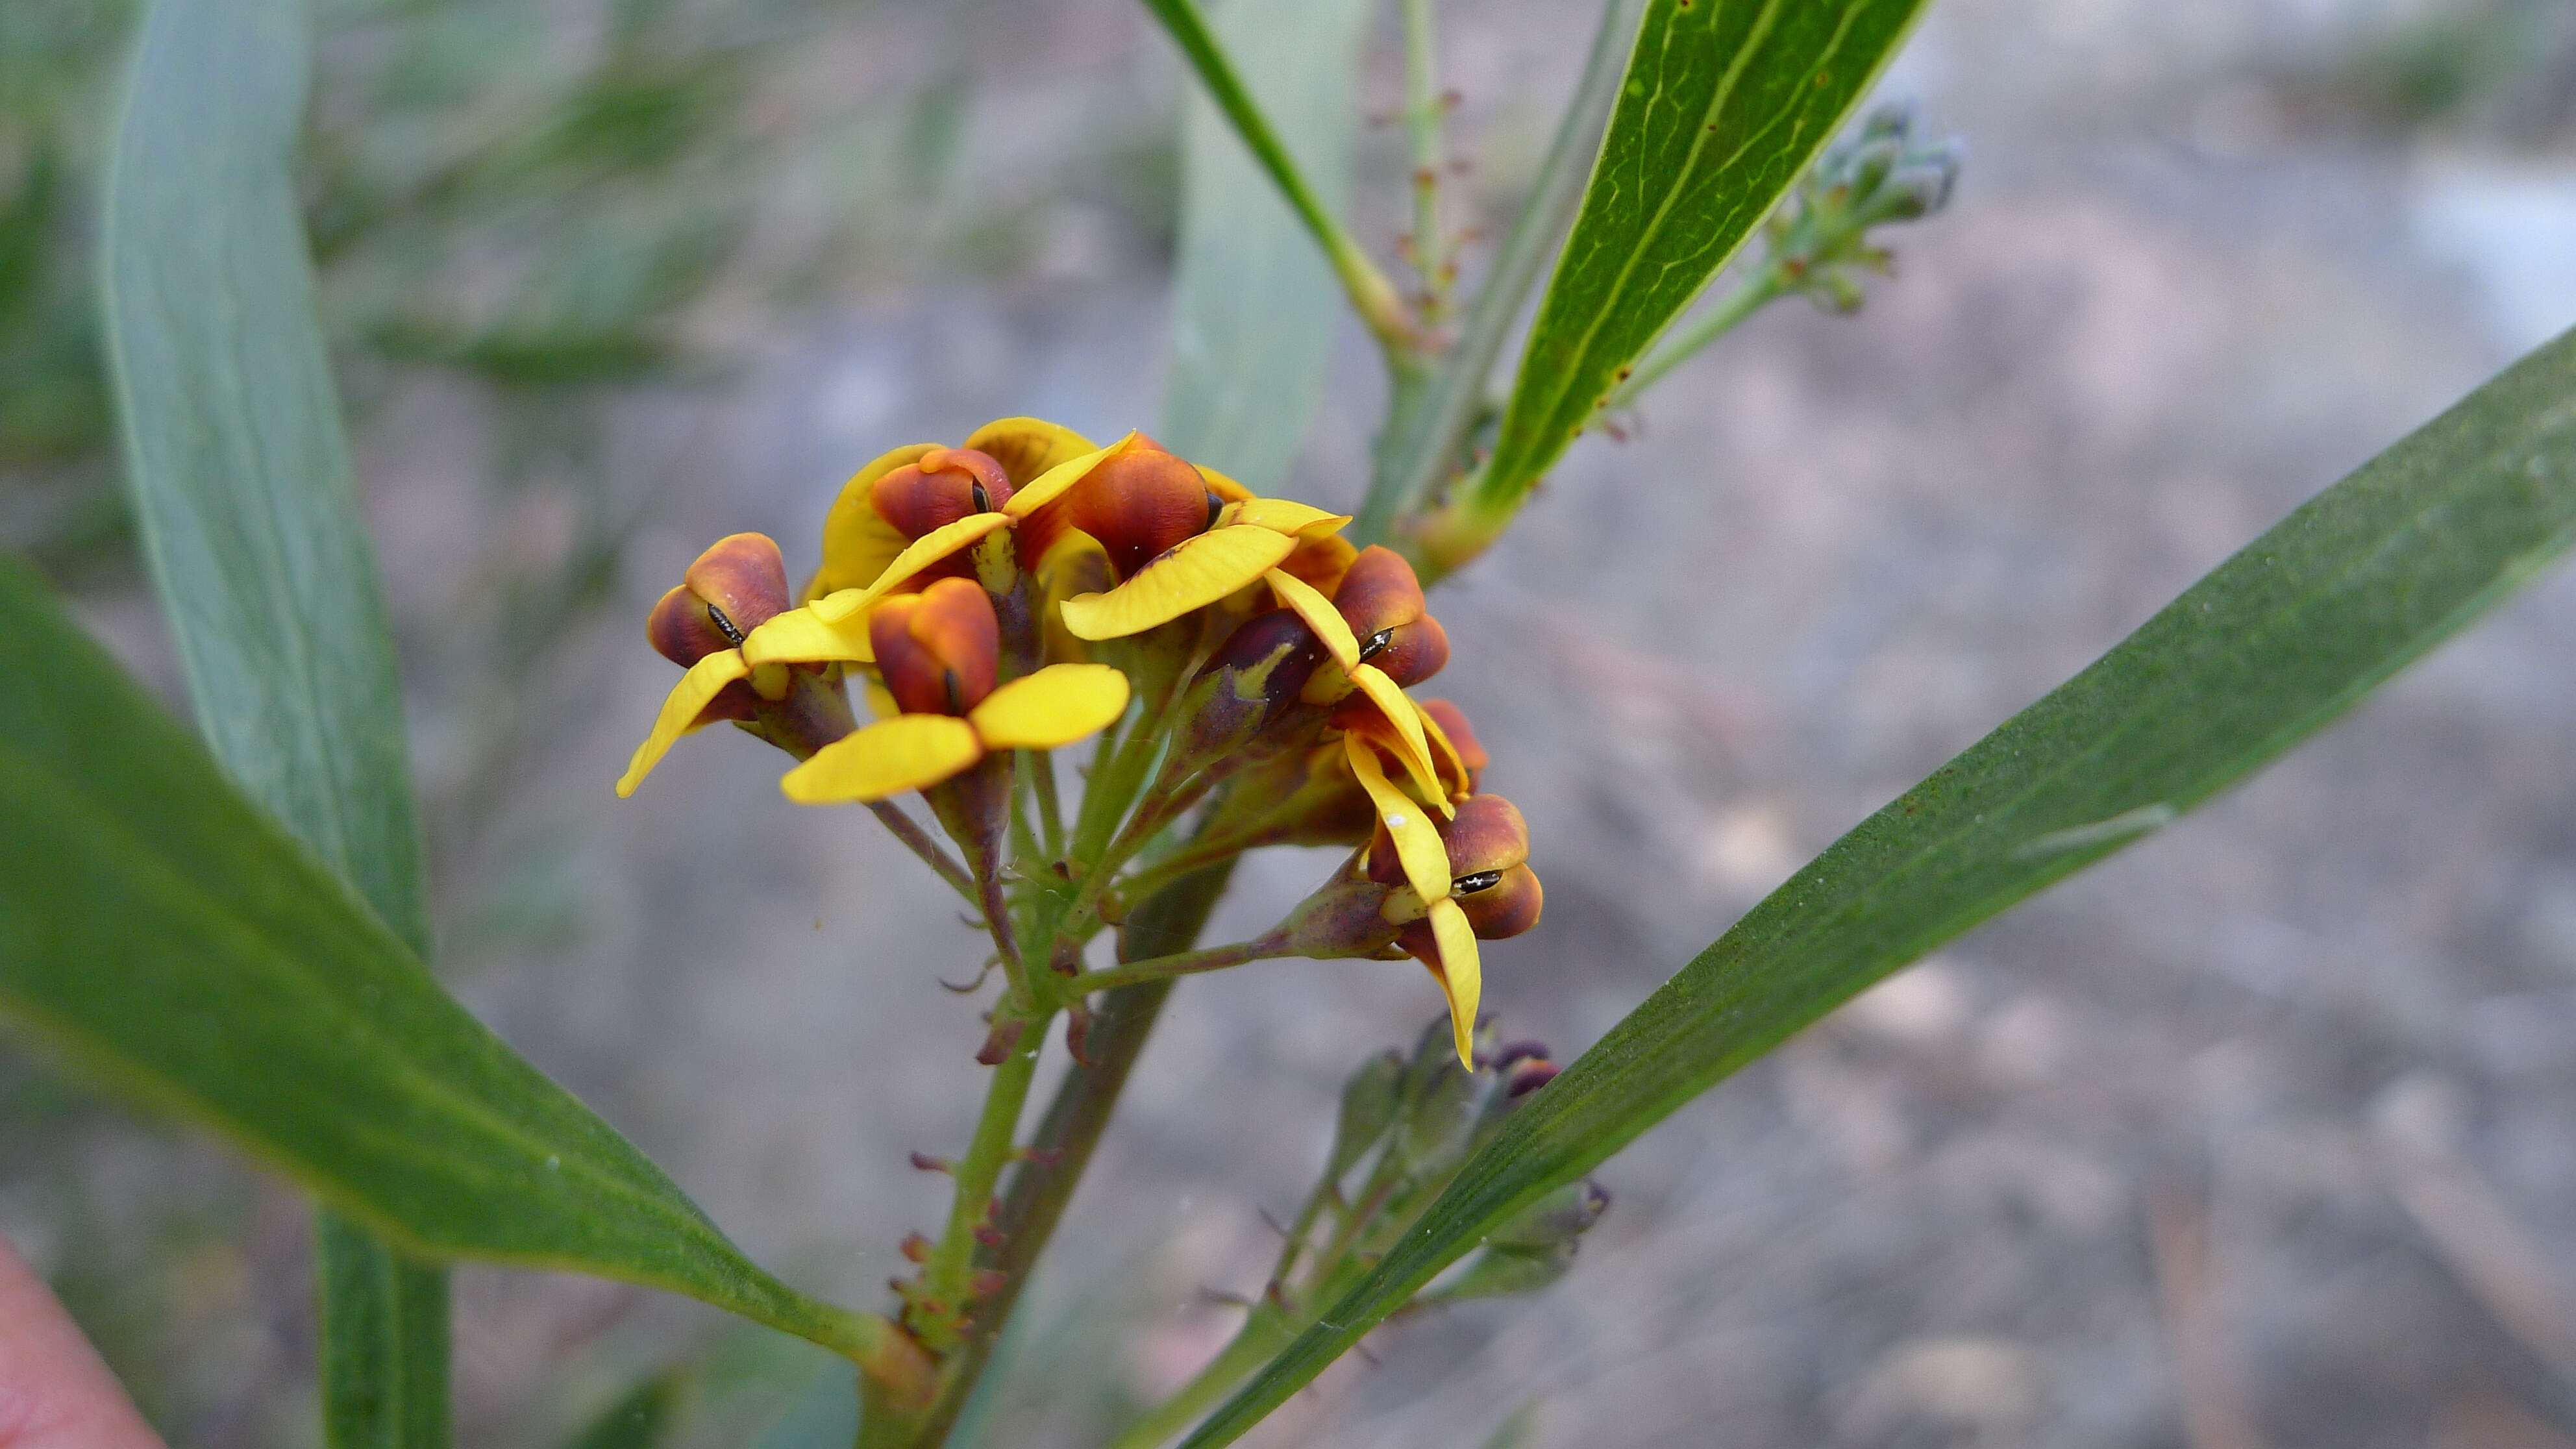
1820	240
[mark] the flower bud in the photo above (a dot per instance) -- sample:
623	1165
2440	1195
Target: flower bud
1252	681
1462	738
939	651
1369	1101
939	488
734	587
1560	1217
1381	599
1140	503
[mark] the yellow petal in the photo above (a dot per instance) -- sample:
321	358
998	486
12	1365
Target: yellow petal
1055	706
1050	485
1027	447
1417	840
1447	752
907	752
924	551
1410	746
1192	575
800	636
688	699
1223	486
1283	515
881	702
1320	616
857	543
1461	972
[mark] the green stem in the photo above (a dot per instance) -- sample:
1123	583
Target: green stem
919	842
1423	109
1423	443
1371	294
1041	764
1062	1145
947	1278
1263	1334
1730	310
1165	968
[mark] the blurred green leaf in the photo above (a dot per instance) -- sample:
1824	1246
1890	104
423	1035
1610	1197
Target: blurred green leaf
640	1419
385	1346
170	940
1254	304
1724	104
241	486
2255	657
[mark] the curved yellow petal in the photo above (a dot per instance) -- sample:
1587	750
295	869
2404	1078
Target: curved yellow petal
1223	486
1410	746
680	710
1192	575
880	700
1456	767
1055	706
857	543
1282	515
800	636
907	752
1320	616
924	551
1047	487
1417	840
1027	447
1461	973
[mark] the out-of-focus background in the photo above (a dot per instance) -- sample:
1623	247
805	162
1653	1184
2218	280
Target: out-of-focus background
2262	1134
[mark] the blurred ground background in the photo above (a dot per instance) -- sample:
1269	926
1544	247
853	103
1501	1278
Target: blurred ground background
2262	1134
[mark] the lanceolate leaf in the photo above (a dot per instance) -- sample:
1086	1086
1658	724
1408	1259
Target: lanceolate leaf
1725	103
167	937
1254	304
2279	640
384	1341
240	479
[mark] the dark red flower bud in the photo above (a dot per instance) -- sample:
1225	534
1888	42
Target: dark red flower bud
1378	592
939	488
734	587
1462	738
939	650
1486	838
1528	1077
1412	652
1140	503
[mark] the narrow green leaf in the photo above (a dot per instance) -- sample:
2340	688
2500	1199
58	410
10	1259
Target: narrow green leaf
1254	303
384	1340
1725	103
241	485
170	939
2252	659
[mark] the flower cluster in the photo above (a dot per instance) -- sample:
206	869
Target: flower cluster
1243	666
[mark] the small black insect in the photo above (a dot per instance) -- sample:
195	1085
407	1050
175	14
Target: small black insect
724	625
1376	644
983	500
1468	885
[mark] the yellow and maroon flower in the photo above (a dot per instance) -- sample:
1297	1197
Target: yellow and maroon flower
1490	894
1177	537
938	652
729	625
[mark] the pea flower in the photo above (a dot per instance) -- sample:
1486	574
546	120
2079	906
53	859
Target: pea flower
1493	895
939	653
750	658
